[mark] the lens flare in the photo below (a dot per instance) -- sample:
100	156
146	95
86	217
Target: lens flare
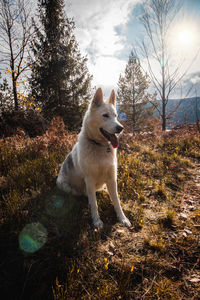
32	237
58	203
122	116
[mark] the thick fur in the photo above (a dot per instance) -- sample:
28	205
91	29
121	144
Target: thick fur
92	164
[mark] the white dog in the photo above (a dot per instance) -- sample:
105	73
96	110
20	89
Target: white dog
93	161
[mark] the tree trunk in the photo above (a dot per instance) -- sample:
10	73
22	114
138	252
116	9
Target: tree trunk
163	93
15	93
134	112
196	113
163	115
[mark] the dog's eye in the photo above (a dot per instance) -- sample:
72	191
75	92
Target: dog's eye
106	116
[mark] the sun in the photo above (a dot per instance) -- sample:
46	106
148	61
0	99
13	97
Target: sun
183	38
186	37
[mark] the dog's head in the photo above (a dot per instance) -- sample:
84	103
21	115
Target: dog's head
103	117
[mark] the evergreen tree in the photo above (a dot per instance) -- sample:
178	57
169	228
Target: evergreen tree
60	80
132	95
6	95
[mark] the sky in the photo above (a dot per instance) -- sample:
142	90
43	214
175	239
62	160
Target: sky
108	30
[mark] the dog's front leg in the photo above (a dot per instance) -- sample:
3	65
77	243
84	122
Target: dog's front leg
91	193
112	190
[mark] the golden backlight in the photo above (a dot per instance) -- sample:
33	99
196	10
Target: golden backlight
186	37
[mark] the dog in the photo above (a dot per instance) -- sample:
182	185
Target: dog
92	163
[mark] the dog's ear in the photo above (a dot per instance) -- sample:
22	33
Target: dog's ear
111	99
98	97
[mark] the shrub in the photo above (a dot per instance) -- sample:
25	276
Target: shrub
30	121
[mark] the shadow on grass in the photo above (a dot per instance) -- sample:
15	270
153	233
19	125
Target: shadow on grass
35	248
41	246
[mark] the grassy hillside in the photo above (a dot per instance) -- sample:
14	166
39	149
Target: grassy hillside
49	248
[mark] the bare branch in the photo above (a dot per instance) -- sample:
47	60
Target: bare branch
156	19
15	34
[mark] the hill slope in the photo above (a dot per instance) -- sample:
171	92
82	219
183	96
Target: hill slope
49	248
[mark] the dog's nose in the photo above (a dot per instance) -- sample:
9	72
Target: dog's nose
119	128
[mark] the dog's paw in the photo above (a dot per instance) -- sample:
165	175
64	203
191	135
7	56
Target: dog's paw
125	221
98	224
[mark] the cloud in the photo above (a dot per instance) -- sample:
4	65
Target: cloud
195	79
96	32
106	70
191	83
97	20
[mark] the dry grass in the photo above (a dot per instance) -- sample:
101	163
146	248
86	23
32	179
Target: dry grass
50	249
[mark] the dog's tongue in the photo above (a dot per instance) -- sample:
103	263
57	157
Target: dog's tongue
114	141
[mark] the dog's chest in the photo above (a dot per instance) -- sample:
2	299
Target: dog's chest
99	164
103	168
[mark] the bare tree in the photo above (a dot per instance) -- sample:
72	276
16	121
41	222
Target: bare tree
15	33
156	18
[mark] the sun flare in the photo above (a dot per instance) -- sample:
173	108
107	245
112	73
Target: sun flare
183	38
186	37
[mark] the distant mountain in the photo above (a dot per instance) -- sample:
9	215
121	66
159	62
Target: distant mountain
181	112
177	111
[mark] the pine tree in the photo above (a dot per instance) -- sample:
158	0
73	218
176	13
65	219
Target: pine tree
60	80
6	95
132	95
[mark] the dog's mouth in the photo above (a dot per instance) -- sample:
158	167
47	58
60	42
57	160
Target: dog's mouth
110	137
